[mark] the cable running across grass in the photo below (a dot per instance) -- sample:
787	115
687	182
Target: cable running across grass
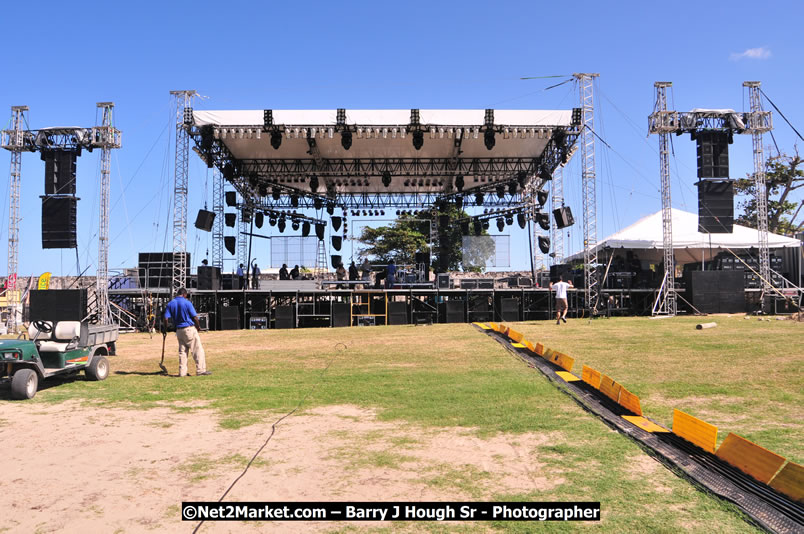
339	347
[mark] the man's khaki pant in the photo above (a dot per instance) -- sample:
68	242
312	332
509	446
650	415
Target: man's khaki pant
190	340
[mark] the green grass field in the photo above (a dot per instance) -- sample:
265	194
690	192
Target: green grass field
744	376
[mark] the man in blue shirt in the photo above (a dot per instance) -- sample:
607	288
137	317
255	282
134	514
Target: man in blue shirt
187	328
241	277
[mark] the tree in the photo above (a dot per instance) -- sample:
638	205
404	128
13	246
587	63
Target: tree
783	177
410	234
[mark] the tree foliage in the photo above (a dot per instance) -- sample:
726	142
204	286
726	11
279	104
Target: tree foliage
784	176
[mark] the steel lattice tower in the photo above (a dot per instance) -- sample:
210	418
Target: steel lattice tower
217	225
663	122
242	237
556	202
587	99
758	123
13	141
184	109
106	137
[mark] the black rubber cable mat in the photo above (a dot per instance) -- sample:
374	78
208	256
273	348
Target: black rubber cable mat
768	508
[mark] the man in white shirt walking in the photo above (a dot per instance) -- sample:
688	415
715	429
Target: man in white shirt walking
561	298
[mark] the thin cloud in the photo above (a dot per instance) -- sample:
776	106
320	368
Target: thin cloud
762	52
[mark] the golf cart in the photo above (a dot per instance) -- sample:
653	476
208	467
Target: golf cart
63	348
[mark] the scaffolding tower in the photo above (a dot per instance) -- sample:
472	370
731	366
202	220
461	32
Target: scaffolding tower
217	224
556	202
587	99
759	122
184	112
663	122
106	137
13	141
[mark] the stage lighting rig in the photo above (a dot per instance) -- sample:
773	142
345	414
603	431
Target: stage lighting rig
294	224
276	193
276	139
319	231
541	196
386	178
294	201
478	199
500	224
314	183
418	139
520	219
512	187
545	174
330	208
272	221
459	183
501	190
305	229
544	244
281	225
543	219
346	139
488	139
259	219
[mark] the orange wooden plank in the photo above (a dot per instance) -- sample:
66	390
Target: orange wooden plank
591	377
645	424
790	481
694	430
495	327
565	361
515	336
629	401
610	388
539	349
749	457
529	345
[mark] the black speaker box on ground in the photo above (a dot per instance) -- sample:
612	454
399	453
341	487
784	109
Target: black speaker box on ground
205	220
716	206
230	281
340	314
209	278
563	217
230	317
509	309
284	317
716	291
59	222
444	281
58	305
712	149
455	311
397	313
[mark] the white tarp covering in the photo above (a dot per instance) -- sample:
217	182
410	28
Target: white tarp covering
688	242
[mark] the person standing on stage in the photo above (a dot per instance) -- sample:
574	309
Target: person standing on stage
294	273
353	274
241	277
255	276
561	298
187	332
390	275
283	272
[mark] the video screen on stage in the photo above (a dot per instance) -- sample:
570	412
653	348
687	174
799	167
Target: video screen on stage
293	250
486	251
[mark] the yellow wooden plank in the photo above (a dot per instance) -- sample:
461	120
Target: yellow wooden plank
529	345
610	388
518	345
565	361
568	377
539	349
694	430
482	325
591	377
514	335
749	457
790	481
495	327
629	401
644	424
548	354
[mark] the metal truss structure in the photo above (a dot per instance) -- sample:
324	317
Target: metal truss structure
184	105
106	137
664	122
757	123
557	201
13	140
663	125
589	183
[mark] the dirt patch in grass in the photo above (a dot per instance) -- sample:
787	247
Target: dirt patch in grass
129	470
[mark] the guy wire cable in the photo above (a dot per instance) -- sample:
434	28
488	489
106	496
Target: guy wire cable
338	348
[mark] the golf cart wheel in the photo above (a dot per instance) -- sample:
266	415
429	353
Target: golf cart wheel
24	384
98	369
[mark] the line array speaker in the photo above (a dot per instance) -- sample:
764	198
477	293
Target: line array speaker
712	149
563	217
716	206
59	222
59	171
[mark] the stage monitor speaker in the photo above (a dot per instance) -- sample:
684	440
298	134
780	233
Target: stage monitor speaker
204	220
283	316
59	171
485	283
560	269
58	305
563	217
59	222
230	317
509	310
231	199
712	148
455	311
209	278
444	281
468	283
716	206
397	313
230	282
230	219
340	314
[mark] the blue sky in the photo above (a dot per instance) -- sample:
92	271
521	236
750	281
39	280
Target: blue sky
244	55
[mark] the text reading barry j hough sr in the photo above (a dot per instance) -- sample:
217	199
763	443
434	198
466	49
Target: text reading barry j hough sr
391	511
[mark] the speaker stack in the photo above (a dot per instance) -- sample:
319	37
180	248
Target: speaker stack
209	278
340	314
397	313
230	317
509	310
455	311
716	206
58	305
283	316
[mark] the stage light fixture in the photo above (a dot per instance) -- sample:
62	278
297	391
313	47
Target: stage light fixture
346	139
478	199
386	178
544	220
486	225
520	219
276	193
544	244
276	139
330	209
281	225
509	220
259	218
318	203
272	221
294	201
501	190
319	231
418	139
305	229
512	187
477	226
500	224
488	139
295	225
459	182
544	174
542	197
314	183
382	213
